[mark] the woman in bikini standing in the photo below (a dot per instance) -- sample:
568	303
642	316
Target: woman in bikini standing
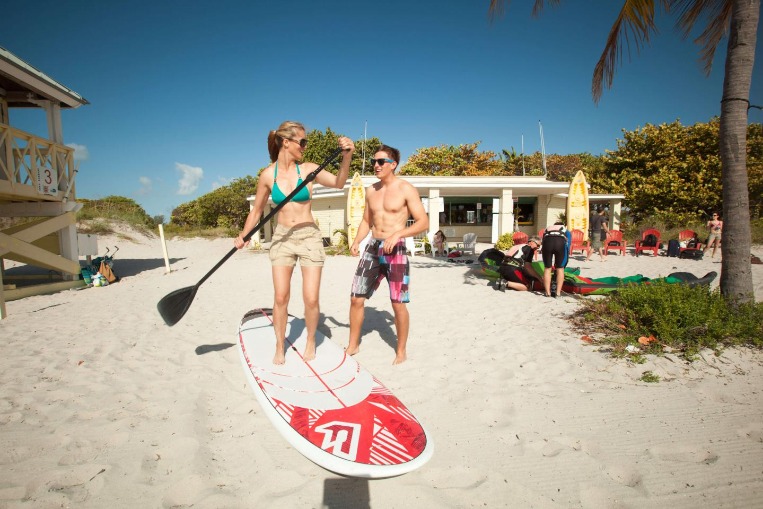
715	227
296	236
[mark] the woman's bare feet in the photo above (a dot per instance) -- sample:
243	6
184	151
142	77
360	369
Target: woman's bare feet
309	353
279	358
351	351
400	358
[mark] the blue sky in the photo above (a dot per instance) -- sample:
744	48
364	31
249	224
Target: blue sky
183	94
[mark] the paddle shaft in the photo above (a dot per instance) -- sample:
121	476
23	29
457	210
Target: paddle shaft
310	177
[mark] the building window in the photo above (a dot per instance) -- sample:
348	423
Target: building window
467	211
524	211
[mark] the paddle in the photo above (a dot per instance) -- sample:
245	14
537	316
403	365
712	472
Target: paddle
174	305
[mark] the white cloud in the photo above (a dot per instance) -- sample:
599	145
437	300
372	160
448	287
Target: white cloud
191	176
145	185
220	182
80	152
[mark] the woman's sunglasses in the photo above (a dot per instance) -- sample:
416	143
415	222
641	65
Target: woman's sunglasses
381	161
302	142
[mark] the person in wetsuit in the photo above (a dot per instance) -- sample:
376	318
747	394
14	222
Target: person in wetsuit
296	236
519	276
556	246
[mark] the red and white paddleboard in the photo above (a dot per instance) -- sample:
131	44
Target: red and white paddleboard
330	409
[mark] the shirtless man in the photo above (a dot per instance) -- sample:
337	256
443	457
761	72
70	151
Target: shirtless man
389	204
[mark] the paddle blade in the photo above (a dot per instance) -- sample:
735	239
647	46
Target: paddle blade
174	305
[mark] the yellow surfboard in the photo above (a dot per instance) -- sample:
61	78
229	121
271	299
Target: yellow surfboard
356	203
577	205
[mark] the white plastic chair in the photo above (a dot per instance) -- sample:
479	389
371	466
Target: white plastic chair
470	244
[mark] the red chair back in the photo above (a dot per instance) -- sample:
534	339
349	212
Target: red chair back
615	236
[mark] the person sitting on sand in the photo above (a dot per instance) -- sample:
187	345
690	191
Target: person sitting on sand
438	243
516	269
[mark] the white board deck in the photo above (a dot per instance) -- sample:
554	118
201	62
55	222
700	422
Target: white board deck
330	409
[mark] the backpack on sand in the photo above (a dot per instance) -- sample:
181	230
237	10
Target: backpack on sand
674	247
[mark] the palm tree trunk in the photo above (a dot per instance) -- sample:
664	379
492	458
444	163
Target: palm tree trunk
736	272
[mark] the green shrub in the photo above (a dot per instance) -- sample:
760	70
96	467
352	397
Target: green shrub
505	242
683	319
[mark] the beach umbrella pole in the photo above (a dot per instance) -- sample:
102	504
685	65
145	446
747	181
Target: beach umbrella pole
174	305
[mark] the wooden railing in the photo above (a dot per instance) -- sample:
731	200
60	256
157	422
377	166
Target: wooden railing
34	168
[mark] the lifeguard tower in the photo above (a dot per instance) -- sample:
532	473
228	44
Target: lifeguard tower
37	191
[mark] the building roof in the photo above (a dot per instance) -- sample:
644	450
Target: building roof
22	84
465	186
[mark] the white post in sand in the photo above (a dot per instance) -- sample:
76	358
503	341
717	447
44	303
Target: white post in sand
164	249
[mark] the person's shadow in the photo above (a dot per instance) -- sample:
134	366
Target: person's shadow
346	493
381	321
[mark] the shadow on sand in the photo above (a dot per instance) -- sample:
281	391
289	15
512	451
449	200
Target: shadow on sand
345	493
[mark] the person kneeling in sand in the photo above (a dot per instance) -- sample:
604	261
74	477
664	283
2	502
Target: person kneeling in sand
516	268
389	203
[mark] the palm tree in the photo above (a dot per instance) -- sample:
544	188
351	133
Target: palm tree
738	19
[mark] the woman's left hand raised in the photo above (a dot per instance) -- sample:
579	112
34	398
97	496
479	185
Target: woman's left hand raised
347	145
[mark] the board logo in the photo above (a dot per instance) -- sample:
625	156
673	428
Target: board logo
341	438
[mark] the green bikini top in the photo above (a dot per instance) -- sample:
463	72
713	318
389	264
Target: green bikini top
277	195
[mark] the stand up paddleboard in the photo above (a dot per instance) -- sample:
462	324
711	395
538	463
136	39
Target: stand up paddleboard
578	214
330	409
356	205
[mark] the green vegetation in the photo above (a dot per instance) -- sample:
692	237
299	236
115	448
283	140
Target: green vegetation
98	216
649	377
505	242
659	318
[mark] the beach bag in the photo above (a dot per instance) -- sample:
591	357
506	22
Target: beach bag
650	240
106	272
673	247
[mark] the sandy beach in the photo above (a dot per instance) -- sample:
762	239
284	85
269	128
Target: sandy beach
103	405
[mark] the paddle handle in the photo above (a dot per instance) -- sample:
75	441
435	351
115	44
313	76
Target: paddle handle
310	177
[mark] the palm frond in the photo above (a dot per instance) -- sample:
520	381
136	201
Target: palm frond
495	9
635	21
718	14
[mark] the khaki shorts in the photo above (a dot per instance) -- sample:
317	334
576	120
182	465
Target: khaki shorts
303	243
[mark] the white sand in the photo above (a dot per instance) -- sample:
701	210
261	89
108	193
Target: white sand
105	406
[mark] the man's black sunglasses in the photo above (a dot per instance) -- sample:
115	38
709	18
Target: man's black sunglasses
381	161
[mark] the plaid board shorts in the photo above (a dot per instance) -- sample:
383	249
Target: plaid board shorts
375	265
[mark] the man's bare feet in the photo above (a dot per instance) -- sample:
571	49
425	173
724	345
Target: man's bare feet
351	351
279	357
309	353
400	358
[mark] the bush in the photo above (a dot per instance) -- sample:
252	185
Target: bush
505	242
678	317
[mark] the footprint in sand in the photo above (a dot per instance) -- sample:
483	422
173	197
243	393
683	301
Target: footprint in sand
684	453
624	475
753	431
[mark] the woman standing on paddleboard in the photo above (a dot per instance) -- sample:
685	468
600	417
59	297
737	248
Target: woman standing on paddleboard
296	236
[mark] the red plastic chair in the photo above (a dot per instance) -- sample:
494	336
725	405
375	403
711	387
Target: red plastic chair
519	238
579	244
640	243
686	236
615	236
